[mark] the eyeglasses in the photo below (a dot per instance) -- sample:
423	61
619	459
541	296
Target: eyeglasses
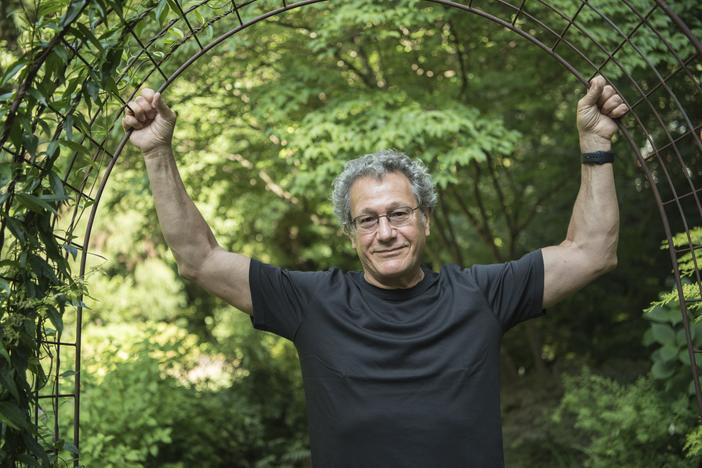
397	218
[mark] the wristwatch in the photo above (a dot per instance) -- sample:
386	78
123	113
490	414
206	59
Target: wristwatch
598	157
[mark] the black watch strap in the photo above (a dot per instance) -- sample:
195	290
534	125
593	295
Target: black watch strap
598	157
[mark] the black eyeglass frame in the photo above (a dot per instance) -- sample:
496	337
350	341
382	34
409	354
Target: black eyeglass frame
353	225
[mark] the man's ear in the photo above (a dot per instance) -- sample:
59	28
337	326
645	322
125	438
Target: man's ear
352	238
427	222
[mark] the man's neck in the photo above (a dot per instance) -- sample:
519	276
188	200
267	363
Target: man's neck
398	283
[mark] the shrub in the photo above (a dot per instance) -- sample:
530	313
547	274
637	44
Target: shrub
624	425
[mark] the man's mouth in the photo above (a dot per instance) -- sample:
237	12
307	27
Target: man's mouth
388	251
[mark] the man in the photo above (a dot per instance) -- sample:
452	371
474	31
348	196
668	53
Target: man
400	364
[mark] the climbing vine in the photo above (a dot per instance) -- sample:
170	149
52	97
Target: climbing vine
51	101
64	79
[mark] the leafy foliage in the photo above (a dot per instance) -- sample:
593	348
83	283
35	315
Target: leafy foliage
671	359
627	425
265	123
156	399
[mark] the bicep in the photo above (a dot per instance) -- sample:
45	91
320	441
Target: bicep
226	275
567	268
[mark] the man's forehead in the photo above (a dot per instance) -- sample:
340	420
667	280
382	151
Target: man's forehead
371	193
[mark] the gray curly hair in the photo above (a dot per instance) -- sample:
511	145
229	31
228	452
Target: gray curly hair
377	165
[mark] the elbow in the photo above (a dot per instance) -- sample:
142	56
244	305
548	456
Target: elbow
189	268
602	256
605	265
610	264
186	272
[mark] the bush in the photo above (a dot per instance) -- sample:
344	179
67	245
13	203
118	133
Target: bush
128	414
144	402
606	423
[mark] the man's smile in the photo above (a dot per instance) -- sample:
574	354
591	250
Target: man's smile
391	251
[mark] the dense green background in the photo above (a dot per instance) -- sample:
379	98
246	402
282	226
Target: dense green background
174	377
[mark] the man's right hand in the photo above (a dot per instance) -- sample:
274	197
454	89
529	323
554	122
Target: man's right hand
151	119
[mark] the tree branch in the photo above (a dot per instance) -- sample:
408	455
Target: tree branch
291	26
500	194
366	80
458	255
267	179
483	231
441	228
483	212
370	71
544	196
461	62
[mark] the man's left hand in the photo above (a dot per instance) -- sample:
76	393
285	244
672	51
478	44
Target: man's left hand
596	113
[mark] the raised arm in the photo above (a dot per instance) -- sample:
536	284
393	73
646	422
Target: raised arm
590	246
199	257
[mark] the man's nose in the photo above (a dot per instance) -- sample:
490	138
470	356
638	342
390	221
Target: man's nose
385	229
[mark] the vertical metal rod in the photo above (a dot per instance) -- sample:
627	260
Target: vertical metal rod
85	135
236	10
567	27
667	78
663	81
669	136
76	381
676	198
93	71
691	132
185	18
627	39
521	7
36	386
136	38
673	259
57	390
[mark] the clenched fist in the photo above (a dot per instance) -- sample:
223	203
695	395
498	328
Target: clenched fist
151	119
596	113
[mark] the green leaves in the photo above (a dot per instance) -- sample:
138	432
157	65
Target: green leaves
295	98
671	359
663	334
162	11
447	135
74	10
661	314
13	416
12	70
663	370
33	203
622	424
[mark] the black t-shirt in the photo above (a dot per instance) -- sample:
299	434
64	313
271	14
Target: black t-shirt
405	377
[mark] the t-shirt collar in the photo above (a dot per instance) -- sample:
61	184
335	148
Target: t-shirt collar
398	294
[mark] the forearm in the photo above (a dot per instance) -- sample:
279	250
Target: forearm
183	227
594	224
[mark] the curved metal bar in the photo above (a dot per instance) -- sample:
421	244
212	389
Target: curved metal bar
671	247
681	26
679	205
289	6
143	50
676	198
76	217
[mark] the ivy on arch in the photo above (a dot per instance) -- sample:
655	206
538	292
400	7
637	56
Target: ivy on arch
82	61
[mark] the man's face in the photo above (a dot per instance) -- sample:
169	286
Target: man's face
390	255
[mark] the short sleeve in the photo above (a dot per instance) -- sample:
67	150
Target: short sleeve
279	298
513	290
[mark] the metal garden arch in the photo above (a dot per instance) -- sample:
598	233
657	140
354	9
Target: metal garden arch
666	162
